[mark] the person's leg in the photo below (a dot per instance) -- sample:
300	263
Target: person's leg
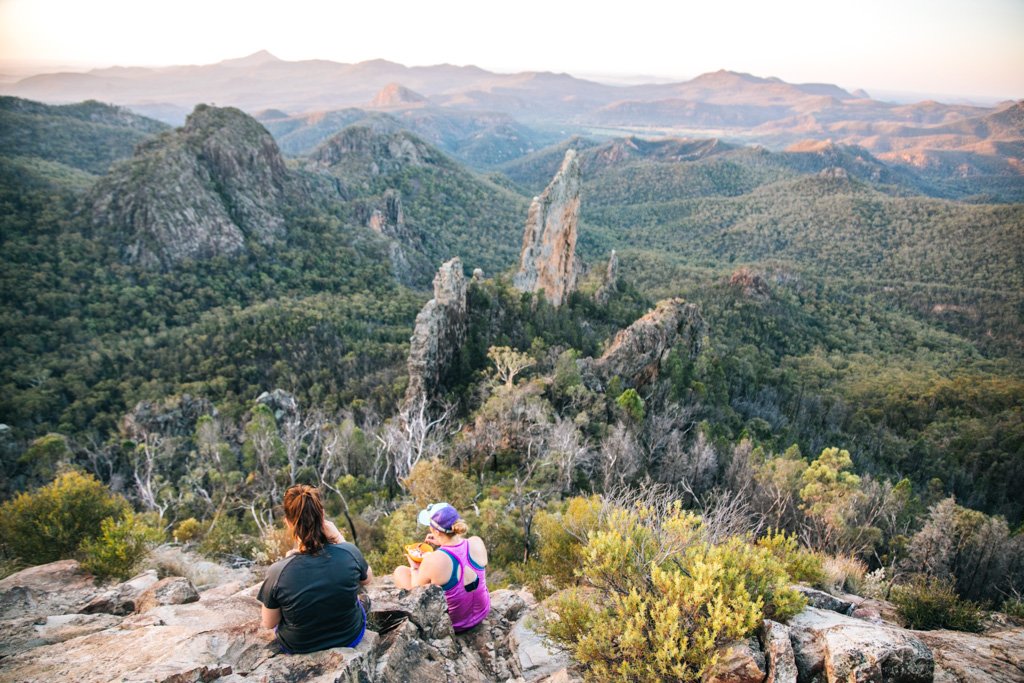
403	577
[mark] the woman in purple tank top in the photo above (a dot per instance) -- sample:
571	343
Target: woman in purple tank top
458	566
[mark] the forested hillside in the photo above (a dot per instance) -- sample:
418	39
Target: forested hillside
849	367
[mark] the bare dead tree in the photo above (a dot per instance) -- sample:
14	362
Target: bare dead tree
619	457
415	433
146	461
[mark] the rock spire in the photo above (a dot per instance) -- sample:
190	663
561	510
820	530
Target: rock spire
439	333
548	261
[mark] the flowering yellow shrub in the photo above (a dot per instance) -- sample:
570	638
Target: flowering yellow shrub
657	599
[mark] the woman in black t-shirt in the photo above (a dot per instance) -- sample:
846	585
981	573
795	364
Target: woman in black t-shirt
309	597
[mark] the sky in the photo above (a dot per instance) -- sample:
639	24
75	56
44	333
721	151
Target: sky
968	48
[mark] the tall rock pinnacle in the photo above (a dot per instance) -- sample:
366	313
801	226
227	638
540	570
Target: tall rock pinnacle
548	261
439	333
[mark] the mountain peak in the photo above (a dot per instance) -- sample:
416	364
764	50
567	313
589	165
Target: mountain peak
396	94
255	59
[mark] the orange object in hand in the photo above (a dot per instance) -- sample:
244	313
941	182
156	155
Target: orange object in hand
416	551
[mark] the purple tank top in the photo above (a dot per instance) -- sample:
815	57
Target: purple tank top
466	608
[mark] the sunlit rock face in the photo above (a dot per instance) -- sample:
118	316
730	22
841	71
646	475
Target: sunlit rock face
548	261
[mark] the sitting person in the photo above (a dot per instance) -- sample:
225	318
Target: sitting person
309	597
458	566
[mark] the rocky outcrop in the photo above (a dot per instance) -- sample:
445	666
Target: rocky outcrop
778	652
198	192
751	284
385	216
548	261
610	284
438	335
996	656
832	647
281	403
171	417
637	352
217	638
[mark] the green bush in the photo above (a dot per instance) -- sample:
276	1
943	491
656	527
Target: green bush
801	564
928	603
227	535
50	523
658	599
120	547
188	530
1013	607
431	481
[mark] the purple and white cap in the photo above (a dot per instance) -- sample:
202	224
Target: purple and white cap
440	516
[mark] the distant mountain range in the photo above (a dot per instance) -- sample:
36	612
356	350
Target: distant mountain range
487	119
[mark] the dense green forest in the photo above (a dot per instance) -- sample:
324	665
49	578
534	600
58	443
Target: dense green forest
859	381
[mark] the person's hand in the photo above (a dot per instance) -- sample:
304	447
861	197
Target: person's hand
430	538
332	533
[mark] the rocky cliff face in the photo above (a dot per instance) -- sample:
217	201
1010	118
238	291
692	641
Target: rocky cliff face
548	261
198	192
385	216
637	352
439	333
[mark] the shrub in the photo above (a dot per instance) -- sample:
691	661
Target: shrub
120	547
228	536
1013	607
563	537
875	585
928	603
800	563
50	523
395	531
431	481
188	530
844	573
661	599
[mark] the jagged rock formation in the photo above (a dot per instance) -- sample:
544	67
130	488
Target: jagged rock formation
610	284
637	352
197	192
281	403
385	216
548	261
439	333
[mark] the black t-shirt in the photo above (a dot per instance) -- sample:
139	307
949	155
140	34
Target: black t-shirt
317	597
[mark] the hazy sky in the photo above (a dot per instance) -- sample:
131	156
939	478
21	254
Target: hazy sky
956	47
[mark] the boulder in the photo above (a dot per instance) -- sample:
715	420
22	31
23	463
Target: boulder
548	261
778	652
172	417
610	284
536	658
741	661
174	590
997	655
823	600
832	647
122	598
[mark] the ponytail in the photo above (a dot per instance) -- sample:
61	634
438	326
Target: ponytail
460	527
305	514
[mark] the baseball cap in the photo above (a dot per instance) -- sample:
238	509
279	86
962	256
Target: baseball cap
440	516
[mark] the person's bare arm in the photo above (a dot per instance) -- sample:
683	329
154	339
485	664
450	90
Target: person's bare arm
369	576
332	533
269	618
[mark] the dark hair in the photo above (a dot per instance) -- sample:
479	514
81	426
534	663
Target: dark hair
305	513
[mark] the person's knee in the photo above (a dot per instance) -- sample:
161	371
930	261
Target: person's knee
403	578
